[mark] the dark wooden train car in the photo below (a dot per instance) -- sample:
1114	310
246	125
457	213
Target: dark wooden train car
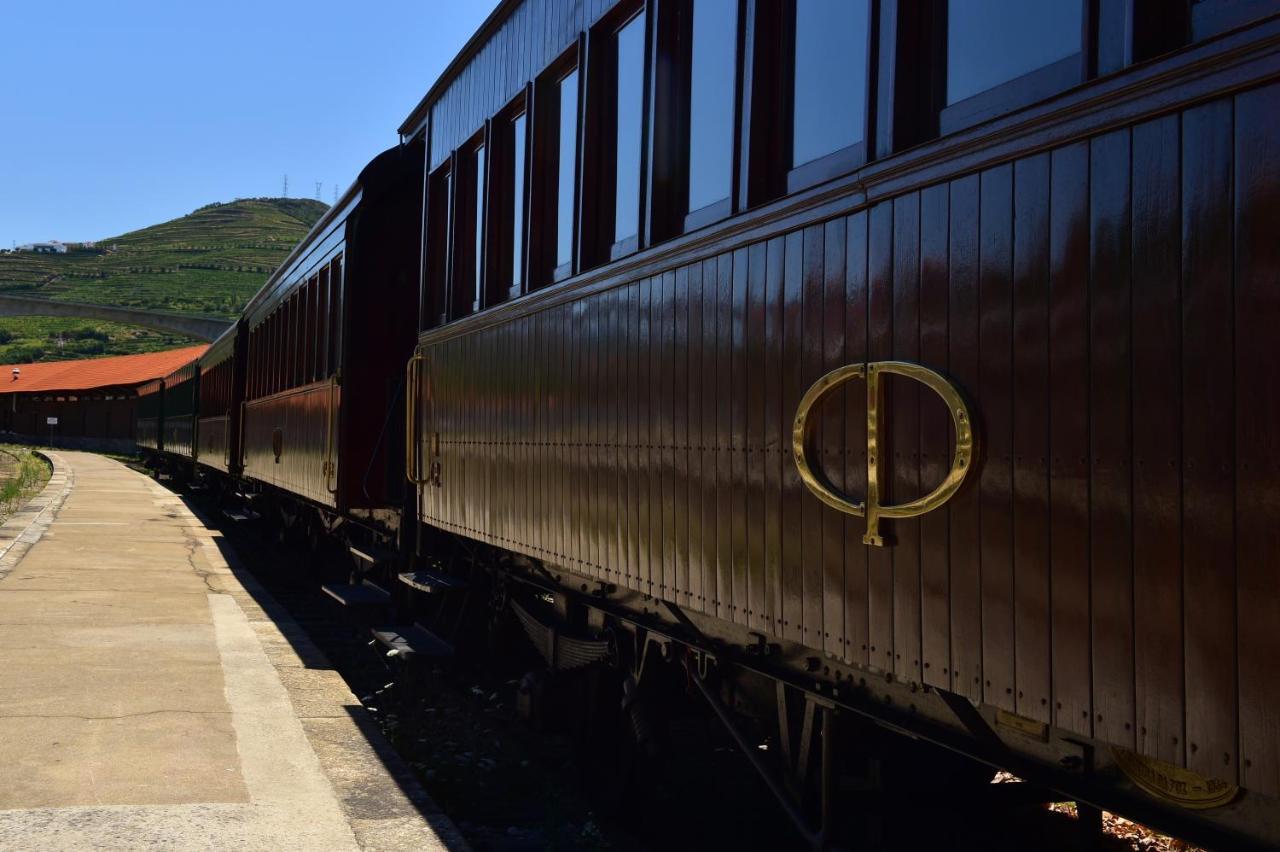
651	227
149	416
180	400
326	341
221	390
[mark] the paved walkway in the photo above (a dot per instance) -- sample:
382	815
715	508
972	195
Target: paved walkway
152	696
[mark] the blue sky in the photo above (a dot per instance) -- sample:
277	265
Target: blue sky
118	115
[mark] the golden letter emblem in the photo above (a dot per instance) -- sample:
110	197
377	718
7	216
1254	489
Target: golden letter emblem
802	438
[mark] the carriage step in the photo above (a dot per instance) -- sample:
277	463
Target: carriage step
412	640
372	556
427	581
357	594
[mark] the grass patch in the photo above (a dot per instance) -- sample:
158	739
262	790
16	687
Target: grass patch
24	472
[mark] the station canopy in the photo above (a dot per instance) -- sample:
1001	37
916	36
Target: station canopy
94	373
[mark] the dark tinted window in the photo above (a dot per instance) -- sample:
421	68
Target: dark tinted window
568	158
630	105
711	101
990	42
439	239
477	238
830	77
517	197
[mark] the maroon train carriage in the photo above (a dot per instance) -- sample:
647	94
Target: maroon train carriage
221	388
149	416
1034	513
165	420
181	394
324	344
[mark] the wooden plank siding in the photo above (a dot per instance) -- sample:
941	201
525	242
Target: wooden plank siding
1108	304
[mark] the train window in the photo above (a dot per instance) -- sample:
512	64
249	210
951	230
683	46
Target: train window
322	323
612	163
282	344
259	372
302	328
519	194
566	172
286	351
807	83
508	194
282	347
293	339
279	359
477	179
468	233
335	313
270	361
695	114
268	354
1006	54
313	284
551	240
829	51
439	242
712	80
628	132
251	389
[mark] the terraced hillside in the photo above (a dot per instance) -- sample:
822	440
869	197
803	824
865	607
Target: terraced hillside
209	262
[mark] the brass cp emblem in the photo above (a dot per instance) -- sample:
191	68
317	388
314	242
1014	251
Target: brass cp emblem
871	508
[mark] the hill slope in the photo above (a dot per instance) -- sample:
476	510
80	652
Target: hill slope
209	262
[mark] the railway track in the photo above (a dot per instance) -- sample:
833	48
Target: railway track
513	785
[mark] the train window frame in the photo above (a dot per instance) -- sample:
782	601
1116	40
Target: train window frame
470	224
544	190
438	250
293	341
322	321
266	380
768	85
337	290
671	80
1032	87
271	354
503	198
251	361
309	331
599	149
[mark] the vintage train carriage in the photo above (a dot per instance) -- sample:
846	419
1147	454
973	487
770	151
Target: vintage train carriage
178	422
327	337
651	227
149	416
221	387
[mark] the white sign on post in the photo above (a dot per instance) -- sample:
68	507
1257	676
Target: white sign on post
51	421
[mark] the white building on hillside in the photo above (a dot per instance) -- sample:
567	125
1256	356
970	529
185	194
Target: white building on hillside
51	247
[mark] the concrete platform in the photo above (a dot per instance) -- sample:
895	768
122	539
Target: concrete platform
152	696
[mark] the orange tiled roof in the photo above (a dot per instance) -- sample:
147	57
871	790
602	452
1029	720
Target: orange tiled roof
95	372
